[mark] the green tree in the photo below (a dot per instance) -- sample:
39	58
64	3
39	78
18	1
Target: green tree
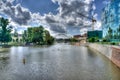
24	36
73	40
29	35
118	32
15	33
38	35
5	35
110	31
47	37
93	39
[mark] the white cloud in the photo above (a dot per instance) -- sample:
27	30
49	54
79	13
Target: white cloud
94	7
83	31
20	31
98	25
95	15
67	16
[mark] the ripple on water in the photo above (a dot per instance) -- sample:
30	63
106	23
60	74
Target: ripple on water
57	62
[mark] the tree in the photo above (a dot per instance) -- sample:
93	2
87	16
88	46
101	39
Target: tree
5	35
29	35
93	39
47	37
118	31
38	35
15	33
24	36
73	40
110	31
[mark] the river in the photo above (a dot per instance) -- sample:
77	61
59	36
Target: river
57	62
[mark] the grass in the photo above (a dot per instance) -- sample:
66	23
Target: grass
15	43
109	43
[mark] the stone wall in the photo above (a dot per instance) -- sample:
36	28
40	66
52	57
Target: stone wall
116	56
111	52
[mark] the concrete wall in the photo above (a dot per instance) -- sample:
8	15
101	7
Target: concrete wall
111	52
116	55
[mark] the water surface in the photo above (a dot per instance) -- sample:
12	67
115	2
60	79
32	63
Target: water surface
57	62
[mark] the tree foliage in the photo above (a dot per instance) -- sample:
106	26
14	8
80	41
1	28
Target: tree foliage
37	35
73	40
110	32
5	35
93	39
113	34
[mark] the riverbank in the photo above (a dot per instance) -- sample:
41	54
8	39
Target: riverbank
23	44
110	51
3	53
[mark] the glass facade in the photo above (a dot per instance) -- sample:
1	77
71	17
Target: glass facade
111	19
96	33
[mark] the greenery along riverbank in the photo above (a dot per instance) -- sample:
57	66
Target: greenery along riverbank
38	36
5	31
33	35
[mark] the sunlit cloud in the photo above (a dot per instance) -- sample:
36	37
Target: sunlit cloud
67	16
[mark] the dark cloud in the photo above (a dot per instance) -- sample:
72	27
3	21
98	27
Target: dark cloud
50	19
68	15
57	28
18	14
72	8
72	13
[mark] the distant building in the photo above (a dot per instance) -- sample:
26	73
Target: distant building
77	36
80	36
17	38
96	33
111	19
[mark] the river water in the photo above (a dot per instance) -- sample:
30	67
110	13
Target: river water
57	62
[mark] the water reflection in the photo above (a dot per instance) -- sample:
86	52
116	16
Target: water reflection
24	60
57	62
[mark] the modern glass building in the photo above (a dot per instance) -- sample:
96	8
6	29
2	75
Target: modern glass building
111	20
95	33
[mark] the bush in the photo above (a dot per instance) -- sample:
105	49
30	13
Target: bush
113	43
73	40
105	40
93	39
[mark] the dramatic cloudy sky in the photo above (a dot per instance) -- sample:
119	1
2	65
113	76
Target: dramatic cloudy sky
62	18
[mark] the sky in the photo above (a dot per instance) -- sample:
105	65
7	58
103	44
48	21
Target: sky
61	17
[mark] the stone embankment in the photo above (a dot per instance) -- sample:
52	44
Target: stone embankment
111	52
